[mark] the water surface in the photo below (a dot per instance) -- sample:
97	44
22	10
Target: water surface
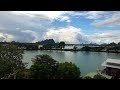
86	61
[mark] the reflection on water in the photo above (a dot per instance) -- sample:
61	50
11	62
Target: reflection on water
86	61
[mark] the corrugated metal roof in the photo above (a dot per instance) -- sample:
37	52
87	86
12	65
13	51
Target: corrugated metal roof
117	61
114	63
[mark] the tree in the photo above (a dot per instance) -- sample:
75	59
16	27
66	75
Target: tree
112	44
31	47
23	74
116	48
44	67
87	77
86	48
57	45
62	44
68	71
99	77
74	48
48	46
119	44
10	61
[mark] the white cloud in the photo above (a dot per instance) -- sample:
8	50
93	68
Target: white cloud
31	26
112	19
64	18
94	14
13	24
69	34
100	18
6	37
108	22
50	14
88	14
68	21
33	34
106	37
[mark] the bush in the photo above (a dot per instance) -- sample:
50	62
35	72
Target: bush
87	77
68	71
10	60
99	77
44	67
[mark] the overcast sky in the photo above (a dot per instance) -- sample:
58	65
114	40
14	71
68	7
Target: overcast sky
69	26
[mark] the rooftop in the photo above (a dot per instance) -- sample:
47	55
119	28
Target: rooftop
114	63
92	74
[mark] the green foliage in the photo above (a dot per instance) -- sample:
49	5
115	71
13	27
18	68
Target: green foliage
112	44
48	46
31	47
74	48
10	60
87	77
23	74
44	67
99	77
68	71
62	45
86	48
119	44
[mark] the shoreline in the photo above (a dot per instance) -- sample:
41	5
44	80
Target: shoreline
72	50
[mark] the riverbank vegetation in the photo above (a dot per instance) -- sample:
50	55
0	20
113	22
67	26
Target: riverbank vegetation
50	44
98	76
10	61
44	66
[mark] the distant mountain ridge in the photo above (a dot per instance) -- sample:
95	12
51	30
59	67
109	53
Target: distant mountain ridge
47	41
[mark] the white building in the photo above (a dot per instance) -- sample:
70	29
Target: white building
112	67
39	46
72	46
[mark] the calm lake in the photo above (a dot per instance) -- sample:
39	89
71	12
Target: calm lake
86	61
